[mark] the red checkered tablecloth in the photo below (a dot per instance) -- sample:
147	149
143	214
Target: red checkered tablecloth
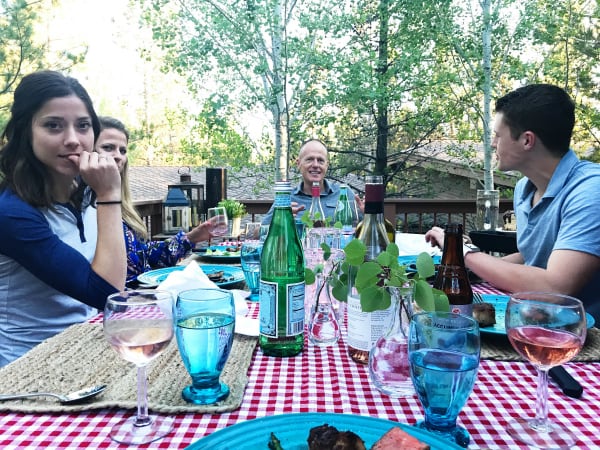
326	380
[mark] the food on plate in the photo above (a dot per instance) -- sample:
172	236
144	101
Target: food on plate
227	251
535	315
274	443
395	439
219	277
215	276
326	437
484	314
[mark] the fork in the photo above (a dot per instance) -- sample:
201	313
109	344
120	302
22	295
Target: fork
477	297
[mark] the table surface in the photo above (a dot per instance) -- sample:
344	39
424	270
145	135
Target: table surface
326	380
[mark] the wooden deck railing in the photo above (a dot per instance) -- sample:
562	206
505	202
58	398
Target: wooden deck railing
409	214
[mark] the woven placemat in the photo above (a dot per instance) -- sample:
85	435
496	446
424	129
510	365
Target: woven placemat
80	357
498	348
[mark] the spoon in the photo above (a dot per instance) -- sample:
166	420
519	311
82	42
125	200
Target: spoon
67	399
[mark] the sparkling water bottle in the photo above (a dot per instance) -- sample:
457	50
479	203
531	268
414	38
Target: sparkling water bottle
282	281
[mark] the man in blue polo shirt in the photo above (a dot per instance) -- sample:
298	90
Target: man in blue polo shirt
313	163
557	203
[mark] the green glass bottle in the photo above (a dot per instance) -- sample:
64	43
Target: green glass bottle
282	281
344	213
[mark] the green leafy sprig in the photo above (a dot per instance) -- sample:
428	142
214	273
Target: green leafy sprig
374	277
233	208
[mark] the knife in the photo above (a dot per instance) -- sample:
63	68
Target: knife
569	385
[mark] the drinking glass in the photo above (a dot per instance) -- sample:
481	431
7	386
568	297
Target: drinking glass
548	330
218	217
252	231
443	353
139	326
488	204
264	231
250	259
204	324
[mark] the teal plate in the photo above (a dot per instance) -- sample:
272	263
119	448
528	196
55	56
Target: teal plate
233	257
500	302
410	261
233	275
292	431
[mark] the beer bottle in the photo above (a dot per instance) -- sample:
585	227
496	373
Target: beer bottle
282	281
452	276
365	328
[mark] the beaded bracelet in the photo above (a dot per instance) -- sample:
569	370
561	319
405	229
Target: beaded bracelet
111	202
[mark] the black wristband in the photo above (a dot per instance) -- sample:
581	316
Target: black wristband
111	202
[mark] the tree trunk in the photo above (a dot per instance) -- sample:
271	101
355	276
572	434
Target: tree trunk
488	173
382	97
277	99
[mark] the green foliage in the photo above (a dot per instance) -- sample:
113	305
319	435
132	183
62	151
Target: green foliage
376	80
372	278
233	208
309	223
20	52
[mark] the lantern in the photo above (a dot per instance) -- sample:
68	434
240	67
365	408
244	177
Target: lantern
193	191
176	211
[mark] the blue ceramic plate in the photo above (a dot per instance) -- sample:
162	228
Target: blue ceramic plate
500	302
410	261
232	275
221	254
292	431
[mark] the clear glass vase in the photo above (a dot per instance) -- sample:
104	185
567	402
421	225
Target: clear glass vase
323	327
388	359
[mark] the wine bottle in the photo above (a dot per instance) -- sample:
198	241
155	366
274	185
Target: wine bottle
364	329
344	213
452	276
316	213
282	281
389	229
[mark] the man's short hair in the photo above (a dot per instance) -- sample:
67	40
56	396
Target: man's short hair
544	109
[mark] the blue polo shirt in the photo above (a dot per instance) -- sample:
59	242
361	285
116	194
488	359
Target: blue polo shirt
567	217
329	199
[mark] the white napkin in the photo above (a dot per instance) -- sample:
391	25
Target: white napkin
410	244
193	277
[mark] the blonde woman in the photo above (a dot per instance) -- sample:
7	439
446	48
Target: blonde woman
142	254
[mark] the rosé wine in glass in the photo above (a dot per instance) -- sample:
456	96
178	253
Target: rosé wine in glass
548	330
543	347
139	326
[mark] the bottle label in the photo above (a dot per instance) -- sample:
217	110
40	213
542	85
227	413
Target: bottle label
465	310
281	318
282	199
365	328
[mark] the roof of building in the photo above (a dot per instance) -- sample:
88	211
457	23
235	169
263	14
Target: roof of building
151	182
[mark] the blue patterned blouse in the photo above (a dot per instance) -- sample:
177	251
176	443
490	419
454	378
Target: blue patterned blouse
143	256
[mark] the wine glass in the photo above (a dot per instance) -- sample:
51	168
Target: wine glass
548	330
139	326
443	355
218	217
